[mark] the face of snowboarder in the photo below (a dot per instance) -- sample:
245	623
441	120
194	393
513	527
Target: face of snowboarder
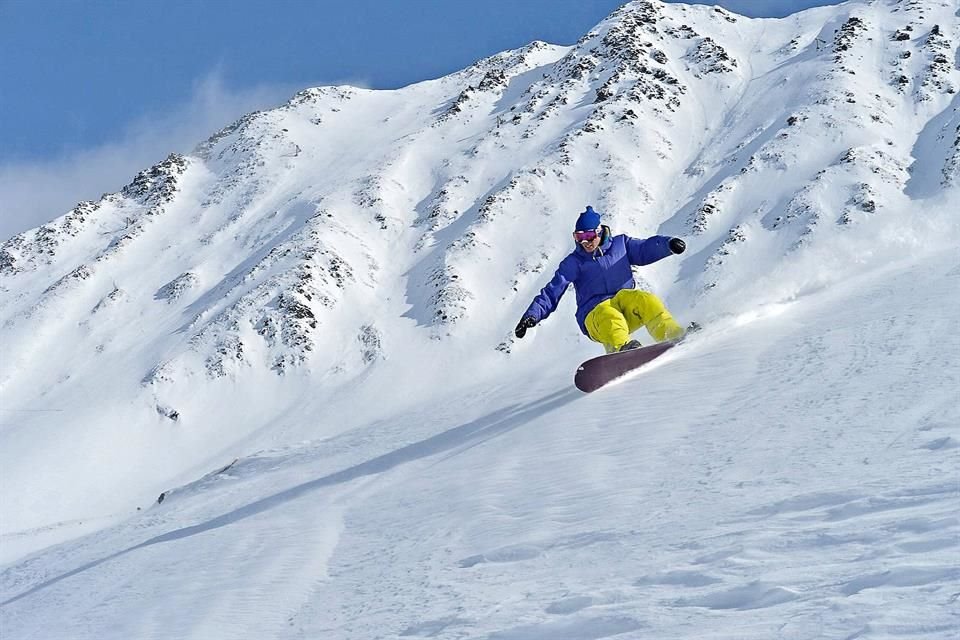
589	239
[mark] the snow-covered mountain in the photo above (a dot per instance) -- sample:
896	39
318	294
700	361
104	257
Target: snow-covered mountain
300	337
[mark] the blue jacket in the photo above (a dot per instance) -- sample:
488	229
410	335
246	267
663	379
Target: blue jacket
599	276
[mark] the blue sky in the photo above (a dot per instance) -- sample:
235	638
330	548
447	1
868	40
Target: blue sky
91	91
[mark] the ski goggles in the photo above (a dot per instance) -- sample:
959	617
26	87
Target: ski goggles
586	236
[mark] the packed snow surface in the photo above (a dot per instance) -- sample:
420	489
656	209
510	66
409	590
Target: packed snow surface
271	390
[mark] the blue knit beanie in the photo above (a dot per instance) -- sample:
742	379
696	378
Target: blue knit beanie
588	220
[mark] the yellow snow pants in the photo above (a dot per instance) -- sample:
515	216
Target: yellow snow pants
612	321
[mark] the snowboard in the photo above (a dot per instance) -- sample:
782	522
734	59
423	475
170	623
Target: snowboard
596	372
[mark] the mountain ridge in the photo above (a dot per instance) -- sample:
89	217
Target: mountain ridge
271	389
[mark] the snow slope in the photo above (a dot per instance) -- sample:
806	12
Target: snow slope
301	334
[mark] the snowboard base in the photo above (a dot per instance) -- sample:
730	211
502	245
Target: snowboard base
596	372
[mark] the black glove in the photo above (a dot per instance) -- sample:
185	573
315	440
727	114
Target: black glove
528	322
677	245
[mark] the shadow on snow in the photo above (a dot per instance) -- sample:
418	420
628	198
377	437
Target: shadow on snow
453	440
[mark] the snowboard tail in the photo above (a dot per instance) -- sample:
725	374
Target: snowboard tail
597	372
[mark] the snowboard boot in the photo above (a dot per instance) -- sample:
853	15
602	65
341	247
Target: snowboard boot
692	328
633	344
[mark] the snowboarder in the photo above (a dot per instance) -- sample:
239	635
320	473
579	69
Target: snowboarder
609	306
